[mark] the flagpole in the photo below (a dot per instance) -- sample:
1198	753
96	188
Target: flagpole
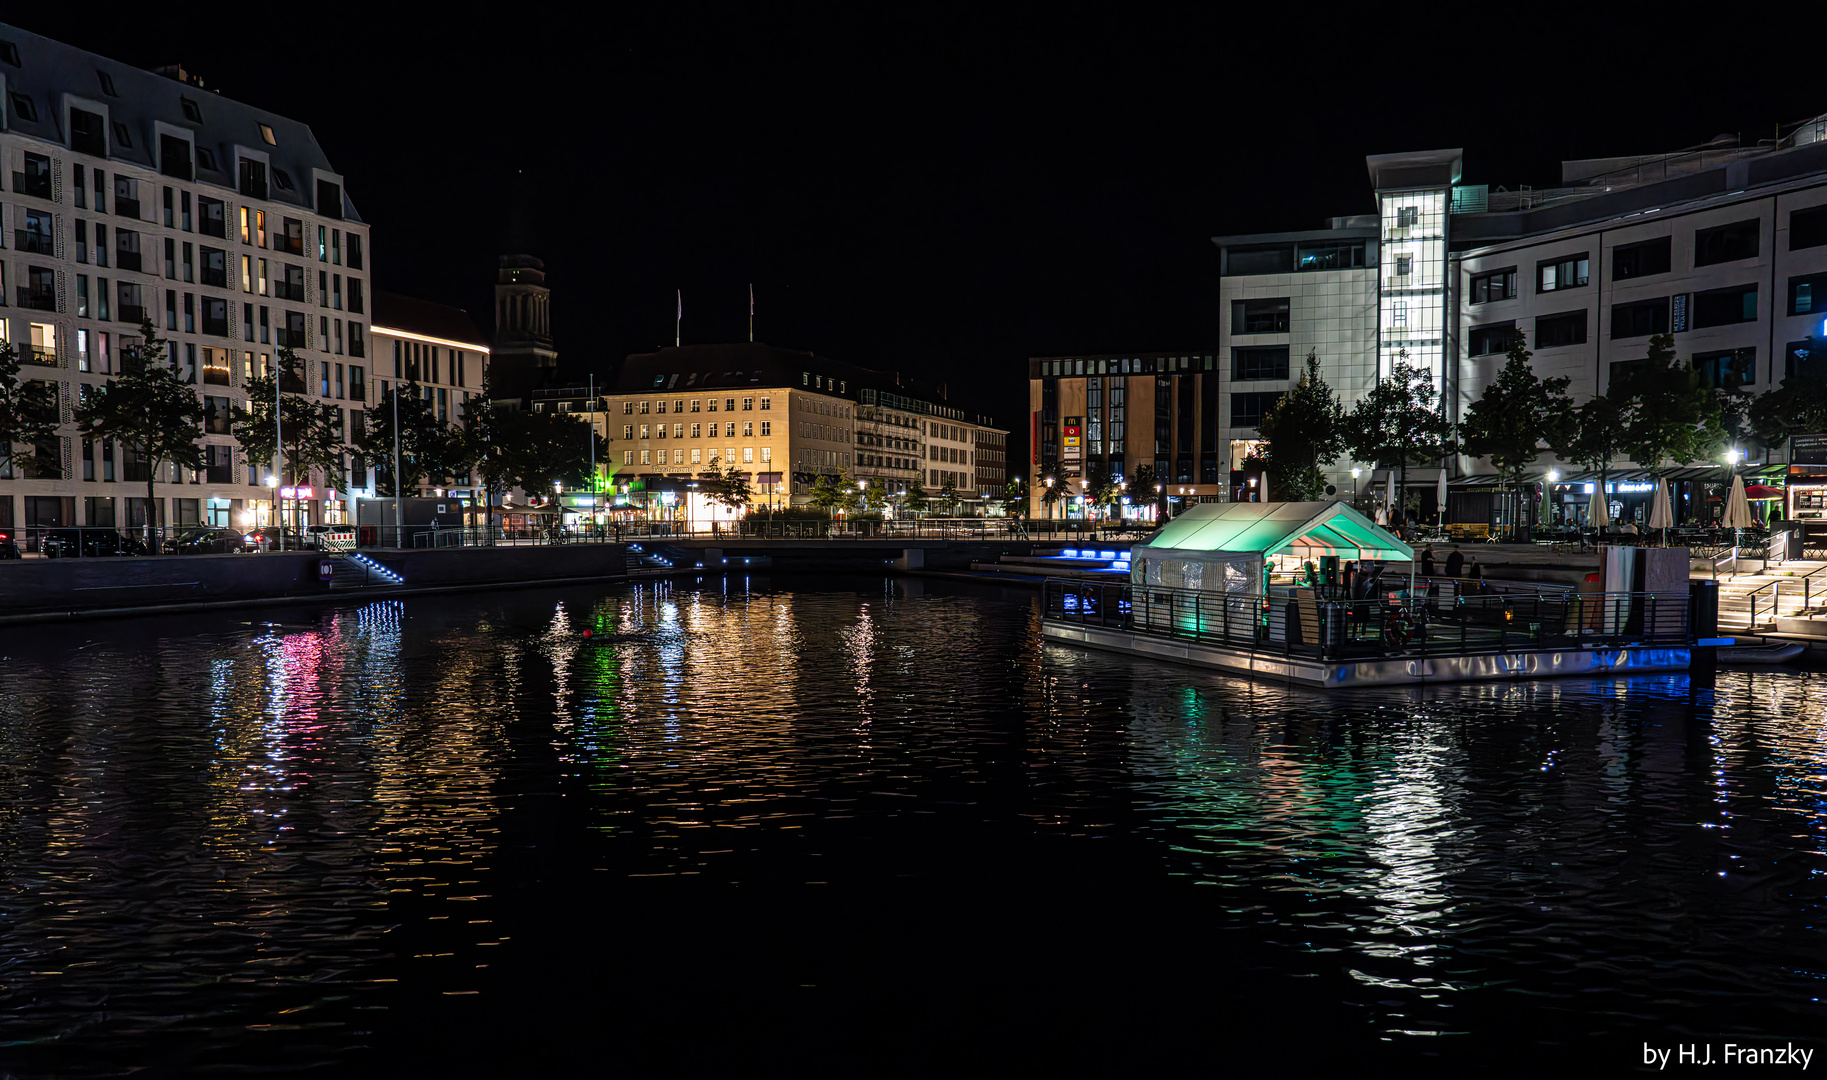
751	312
678	322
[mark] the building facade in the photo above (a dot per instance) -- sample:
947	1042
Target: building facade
135	196
437	349
1724	246
1108	415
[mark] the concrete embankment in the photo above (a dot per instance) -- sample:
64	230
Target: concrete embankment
37	590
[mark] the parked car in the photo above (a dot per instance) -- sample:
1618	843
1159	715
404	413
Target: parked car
314	535
91	543
269	537
207	541
9	548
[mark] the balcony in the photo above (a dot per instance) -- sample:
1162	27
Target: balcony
288	245
37	185
38	299
129	208
215	327
127	260
216	277
36	243
38	354
132	313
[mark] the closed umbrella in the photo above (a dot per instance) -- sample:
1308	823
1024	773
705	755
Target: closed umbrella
1737	507
1661	514
1440	497
1598	512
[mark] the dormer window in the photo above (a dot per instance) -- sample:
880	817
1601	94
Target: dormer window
206	159
88	133
282	180
266	134
121	136
10	53
107	83
24	109
191	112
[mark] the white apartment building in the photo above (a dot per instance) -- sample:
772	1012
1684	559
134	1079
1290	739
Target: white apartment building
1723	245
131	195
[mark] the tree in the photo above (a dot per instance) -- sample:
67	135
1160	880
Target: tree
915	499
1104	489
548	451
427	445
1144	488
1667	414
1014	499
1051	485
1303	432
150	408
834	492
1517	413
1595	438
1797	407
728	488
28	411
948	496
875	496
1398	422
311	432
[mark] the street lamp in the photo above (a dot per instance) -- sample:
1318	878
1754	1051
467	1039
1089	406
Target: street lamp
1355	473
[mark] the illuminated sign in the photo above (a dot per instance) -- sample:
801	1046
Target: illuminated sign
1632	486
295	493
1074	448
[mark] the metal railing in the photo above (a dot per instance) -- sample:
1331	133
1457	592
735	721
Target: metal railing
1308	623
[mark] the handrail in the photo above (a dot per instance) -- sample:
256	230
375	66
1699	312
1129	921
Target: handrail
1722	557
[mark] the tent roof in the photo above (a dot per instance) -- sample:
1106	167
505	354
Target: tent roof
1273	528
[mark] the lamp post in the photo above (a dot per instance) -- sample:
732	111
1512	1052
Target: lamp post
1553	475
1355	473
1046	500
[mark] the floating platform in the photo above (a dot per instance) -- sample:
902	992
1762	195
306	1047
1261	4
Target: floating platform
1376	671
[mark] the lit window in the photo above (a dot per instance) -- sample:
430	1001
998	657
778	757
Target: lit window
266	133
767	452
696	458
748	455
646	455
628	457
678	457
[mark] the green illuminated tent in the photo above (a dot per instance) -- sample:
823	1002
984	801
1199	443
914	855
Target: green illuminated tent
1301	529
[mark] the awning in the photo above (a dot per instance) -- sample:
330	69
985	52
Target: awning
1305	529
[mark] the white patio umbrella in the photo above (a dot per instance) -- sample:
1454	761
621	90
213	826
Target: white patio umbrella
1661	514
1737	507
1440	498
1598	512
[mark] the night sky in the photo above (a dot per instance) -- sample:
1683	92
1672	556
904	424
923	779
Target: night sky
943	193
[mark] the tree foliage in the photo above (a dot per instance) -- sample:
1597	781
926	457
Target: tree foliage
429	448
312	433
1400	421
1797	407
915	498
28	411
834	492
151	408
727	487
1667	415
1304	432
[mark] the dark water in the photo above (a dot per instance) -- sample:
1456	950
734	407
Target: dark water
863	828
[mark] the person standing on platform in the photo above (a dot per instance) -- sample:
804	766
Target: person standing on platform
1427	561
1455	562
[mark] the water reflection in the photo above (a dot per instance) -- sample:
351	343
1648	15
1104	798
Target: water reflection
286	842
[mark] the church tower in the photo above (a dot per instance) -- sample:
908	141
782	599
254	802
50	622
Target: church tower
523	359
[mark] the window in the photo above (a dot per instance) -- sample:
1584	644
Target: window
1808	295
1247	409
1495	285
1566	273
1259	362
765	402
1726	243
1555	331
266	135
329	199
36	179
1490	338
251	180
23	108
191	112
1405	265
1334	255
628	457
122	136
88	135
213	213
748	455
766	427
1642	259
748	404
1407	216
1640	319
646	407
647	457
355	252
358	386
358	345
206	159
283	180
1808	228
729	404
712	405
1259	316
1726	368
1723	307
748	429
1258	260
174	158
